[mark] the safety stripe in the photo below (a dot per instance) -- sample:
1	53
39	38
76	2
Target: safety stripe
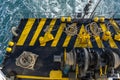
77	42
104	28
58	34
67	40
115	26
52	23
25	31
40	77
99	42
111	41
37	32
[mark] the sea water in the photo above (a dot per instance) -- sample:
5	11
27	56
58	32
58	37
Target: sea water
11	11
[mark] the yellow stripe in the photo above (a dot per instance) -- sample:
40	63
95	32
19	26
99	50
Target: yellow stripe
111	41
52	23
37	32
58	35
67	40
104	28
115	25
38	77
99	42
31	77
25	32
77	42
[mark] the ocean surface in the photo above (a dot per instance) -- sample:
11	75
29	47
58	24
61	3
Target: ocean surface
11	11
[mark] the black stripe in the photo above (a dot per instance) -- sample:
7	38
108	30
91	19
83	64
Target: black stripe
63	37
104	42
37	43
21	26
54	31
31	33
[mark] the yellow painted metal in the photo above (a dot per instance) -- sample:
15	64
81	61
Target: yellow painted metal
67	40
115	26
102	19
54	75
31	77
106	35
47	37
101	72
8	49
105	69
117	37
77	70
58	34
63	19
99	42
96	19
37	32
103	27
11	43
65	55
69	19
48	33
25	31
83	39
117	29
112	43
110	40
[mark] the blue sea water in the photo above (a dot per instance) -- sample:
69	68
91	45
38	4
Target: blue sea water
11	11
